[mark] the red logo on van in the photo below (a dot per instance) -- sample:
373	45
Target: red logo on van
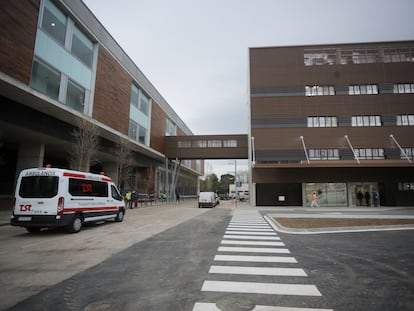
25	207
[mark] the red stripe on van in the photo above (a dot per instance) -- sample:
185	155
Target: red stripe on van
106	179
90	209
74	175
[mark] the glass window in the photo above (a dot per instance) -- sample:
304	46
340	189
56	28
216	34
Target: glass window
45	79
230	143
144	104
54	22
39	186
171	129
142	134
88	188
82	47
75	96
134	95
405	120
132	129
115	193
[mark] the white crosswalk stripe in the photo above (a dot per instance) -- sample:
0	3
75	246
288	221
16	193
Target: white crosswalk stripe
261	243
252	241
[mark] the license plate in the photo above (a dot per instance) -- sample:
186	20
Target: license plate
25	218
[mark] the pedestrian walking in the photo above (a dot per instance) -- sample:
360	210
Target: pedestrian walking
314	200
376	198
360	196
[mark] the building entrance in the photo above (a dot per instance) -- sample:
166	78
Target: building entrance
362	194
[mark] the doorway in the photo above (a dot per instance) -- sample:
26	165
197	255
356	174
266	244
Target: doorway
362	194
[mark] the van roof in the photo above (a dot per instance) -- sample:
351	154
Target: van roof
46	171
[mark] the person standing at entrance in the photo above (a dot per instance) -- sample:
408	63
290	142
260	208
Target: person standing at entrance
367	198
360	196
314	199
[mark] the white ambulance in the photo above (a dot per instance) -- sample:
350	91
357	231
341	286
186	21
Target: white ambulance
52	197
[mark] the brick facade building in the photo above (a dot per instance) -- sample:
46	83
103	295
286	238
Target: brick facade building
337	119
59	65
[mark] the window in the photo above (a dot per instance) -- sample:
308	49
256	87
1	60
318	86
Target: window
75	96
406	186
184	144
39	186
319	57
45	79
115	193
87	188
397	55
171	128
230	143
323	154
363	89
322	122
139	100
133	126
366	121
402	88
54	22
405	120
82	47
142	134
359	56
409	152
214	144
317	90
370	153
199	144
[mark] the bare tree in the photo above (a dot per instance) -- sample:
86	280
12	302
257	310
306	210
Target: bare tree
85	145
125	160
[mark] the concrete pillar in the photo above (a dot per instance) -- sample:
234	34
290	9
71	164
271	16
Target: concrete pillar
110	169
30	155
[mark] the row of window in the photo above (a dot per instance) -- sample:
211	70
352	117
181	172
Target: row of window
360	153
359	89
209	143
343	56
62	66
358	121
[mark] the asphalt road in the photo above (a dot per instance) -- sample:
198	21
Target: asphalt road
172	270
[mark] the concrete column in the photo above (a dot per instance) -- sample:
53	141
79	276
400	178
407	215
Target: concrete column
110	169
30	155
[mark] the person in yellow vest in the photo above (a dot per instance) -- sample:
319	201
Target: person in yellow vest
128	197
314	200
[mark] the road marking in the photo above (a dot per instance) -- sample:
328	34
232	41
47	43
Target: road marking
261	288
252	243
250	232
249	229
257	271
247	237
254	250
205	306
248	258
250	226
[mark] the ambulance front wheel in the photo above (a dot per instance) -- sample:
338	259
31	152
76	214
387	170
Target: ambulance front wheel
120	216
76	224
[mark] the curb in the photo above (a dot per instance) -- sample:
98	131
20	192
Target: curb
279	228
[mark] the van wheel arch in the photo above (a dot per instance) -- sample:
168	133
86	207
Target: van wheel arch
76	224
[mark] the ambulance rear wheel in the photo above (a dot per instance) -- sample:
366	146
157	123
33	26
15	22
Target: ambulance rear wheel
76	224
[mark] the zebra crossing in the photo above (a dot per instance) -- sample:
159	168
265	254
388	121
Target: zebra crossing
250	248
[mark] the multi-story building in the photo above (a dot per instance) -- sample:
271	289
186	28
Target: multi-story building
336	119
59	65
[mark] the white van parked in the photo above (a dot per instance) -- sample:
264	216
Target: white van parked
52	197
207	199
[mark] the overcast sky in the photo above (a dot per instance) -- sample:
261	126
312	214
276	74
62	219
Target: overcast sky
195	52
